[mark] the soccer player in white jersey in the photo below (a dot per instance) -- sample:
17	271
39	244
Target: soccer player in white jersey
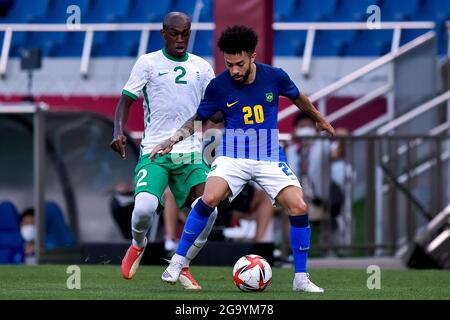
172	83
247	96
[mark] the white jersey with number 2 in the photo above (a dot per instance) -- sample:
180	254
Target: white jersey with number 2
172	89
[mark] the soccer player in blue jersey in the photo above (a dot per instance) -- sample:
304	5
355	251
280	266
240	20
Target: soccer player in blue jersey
247	96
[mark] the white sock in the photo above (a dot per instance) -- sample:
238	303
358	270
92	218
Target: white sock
301	275
140	244
180	259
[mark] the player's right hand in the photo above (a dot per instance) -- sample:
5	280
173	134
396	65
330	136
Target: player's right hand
118	144
162	148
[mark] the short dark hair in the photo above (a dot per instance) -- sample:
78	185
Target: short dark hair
175	15
301	116
27	212
236	39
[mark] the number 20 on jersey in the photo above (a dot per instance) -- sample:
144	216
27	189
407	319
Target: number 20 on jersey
252	115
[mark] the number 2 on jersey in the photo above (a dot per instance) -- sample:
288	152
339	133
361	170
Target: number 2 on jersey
141	183
257	112
181	75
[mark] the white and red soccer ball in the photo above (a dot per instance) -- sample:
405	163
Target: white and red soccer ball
252	273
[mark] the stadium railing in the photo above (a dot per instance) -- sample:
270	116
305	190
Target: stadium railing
320	96
145	28
404	176
89	30
312	28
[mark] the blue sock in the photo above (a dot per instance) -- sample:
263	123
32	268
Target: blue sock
300	235
195	223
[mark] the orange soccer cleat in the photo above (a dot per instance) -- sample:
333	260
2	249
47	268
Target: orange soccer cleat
187	280
130	262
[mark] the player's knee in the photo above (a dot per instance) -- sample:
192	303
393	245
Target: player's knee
144	207
211	200
298	208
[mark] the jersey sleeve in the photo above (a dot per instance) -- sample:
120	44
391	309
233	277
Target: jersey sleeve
287	86
140	75
210	102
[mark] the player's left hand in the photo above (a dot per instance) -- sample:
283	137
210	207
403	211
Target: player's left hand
162	148
324	125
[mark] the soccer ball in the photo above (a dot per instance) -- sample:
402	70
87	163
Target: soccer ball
252	273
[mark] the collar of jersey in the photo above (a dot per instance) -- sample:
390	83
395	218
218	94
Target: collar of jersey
168	56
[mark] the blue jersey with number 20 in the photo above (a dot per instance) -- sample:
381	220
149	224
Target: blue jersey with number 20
250	112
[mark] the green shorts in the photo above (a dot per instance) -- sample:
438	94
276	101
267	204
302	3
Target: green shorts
179	171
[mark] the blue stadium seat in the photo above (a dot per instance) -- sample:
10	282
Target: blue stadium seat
283	9
308	10
72	47
57	11
203	45
289	43
370	43
46	41
155	42
410	34
351	10
207	13
186	6
25	11
11	242
332	43
399	10
18	41
118	44
107	11
141	11
58	234
434	10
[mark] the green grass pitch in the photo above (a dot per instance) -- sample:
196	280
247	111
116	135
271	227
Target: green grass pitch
105	282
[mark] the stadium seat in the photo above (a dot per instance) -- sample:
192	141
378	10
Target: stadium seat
46	41
186	6
207	13
410	34
57	11
283	9
72	47
25	11
11	242
370	43
141	11
398	10
17	42
118	44
434	10
203	45
107	11
332	43
58	234
155	42
289	43
306	10
351	10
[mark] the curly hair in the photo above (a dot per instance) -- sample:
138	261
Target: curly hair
237	39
